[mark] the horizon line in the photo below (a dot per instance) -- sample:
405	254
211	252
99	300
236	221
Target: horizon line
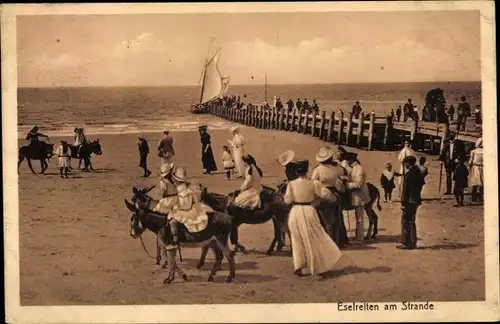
242	84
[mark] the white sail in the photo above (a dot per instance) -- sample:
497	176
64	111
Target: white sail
212	84
225	86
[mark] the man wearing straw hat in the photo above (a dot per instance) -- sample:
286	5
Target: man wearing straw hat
330	173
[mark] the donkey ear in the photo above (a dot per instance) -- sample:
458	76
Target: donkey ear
130	206
135	190
146	190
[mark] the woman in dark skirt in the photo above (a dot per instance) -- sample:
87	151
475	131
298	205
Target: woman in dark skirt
207	156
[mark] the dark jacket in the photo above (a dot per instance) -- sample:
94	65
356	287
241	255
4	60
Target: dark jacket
143	148
412	186
460	176
449	157
463	109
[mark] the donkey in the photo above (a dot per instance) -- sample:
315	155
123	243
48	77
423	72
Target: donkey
214	236
85	152
42	152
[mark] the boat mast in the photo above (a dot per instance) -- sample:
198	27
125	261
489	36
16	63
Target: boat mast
205	69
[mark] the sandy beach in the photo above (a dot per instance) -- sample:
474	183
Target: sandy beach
75	246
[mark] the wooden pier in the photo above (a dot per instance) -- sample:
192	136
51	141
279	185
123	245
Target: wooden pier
370	132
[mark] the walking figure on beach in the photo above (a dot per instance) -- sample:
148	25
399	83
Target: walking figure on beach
387	181
405	152
460	180
143	155
398	113
312	248
227	161
165	148
207	156
452	152
356	110
63	153
407	110
410	200
476	171
238	143
463	111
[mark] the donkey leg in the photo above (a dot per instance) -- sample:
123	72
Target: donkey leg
229	256
218	259
30	165
19	161
158	251
373	219
42	166
204	251
234	239
171	265
276	238
370	223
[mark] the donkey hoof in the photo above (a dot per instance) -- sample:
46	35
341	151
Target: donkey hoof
210	278
229	279
374	236
269	252
185	277
199	266
168	280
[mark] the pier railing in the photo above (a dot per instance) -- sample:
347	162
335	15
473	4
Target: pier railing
370	131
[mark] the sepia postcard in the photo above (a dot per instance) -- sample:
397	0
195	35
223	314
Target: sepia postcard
250	162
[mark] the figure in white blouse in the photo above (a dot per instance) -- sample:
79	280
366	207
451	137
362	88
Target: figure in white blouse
238	143
476	171
249	196
405	152
312	248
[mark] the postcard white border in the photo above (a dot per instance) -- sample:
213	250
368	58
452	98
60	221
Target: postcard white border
445	311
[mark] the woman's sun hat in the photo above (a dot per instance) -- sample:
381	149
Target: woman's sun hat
235	129
165	169
324	154
179	175
285	158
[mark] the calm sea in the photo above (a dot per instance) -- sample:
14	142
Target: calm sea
145	109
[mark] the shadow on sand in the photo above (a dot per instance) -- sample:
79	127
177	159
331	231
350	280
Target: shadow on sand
354	270
447	246
246	265
220	278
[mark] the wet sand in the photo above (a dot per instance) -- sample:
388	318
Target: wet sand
75	246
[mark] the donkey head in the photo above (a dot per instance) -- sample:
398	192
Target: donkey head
136	225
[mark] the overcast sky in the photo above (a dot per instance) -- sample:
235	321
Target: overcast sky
163	49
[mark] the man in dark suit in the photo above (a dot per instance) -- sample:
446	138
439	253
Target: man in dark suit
411	199
451	153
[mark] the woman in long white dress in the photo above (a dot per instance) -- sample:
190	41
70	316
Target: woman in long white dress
238	144
249	196
406	151
476	171
312	247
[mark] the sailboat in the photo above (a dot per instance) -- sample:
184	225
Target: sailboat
213	85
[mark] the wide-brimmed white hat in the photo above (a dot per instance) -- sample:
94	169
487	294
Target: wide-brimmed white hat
166	168
234	129
179	174
285	157
479	142
324	154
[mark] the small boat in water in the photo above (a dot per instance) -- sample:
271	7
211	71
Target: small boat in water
213	85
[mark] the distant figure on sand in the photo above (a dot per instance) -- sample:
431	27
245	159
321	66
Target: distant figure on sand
423	170
476	171
207	156
238	144
452	152
227	161
405	152
387	181
306	105
143	155
63	153
166	148
249	196
290	104
460	180
298	104
463	111
315	107
312	248
451	112
410	200
398	113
